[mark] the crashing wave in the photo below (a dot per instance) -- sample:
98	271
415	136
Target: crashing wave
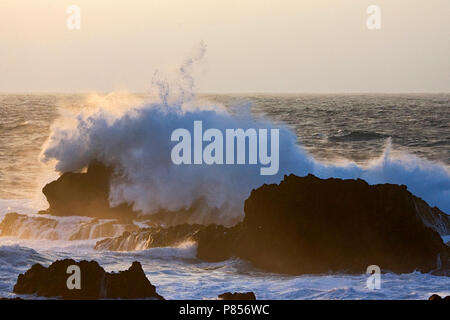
134	141
75	228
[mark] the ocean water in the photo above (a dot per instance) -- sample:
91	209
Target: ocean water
342	135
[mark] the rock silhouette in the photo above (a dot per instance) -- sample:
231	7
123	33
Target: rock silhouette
311	225
85	194
436	297
302	225
95	282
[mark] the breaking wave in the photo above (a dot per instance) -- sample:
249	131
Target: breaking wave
34	227
135	141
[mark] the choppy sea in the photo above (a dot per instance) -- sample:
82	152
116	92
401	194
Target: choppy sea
332	128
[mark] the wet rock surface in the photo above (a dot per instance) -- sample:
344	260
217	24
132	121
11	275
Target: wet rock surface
25	227
151	238
50	228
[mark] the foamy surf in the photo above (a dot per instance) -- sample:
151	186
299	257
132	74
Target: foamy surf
132	135
134	139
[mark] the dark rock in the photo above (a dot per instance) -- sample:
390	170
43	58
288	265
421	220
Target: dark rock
437	297
217	243
95	282
150	238
85	194
310	225
237	296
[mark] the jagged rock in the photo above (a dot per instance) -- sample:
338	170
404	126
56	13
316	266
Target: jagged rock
150	238
310	225
95	282
85	194
237	296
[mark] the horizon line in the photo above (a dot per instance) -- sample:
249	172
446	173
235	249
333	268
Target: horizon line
231	92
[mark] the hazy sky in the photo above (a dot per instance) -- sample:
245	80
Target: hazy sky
253	45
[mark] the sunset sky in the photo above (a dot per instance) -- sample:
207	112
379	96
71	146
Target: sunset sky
253	45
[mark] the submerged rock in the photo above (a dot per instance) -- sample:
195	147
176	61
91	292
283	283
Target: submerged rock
95	282
150	238
50	228
25	227
311	225
237	296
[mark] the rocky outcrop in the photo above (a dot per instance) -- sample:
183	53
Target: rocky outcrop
151	238
25	227
237	296
49	228
95	282
85	194
310	225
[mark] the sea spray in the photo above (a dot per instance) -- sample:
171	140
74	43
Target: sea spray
136	143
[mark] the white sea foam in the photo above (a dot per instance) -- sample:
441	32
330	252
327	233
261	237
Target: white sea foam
136	142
